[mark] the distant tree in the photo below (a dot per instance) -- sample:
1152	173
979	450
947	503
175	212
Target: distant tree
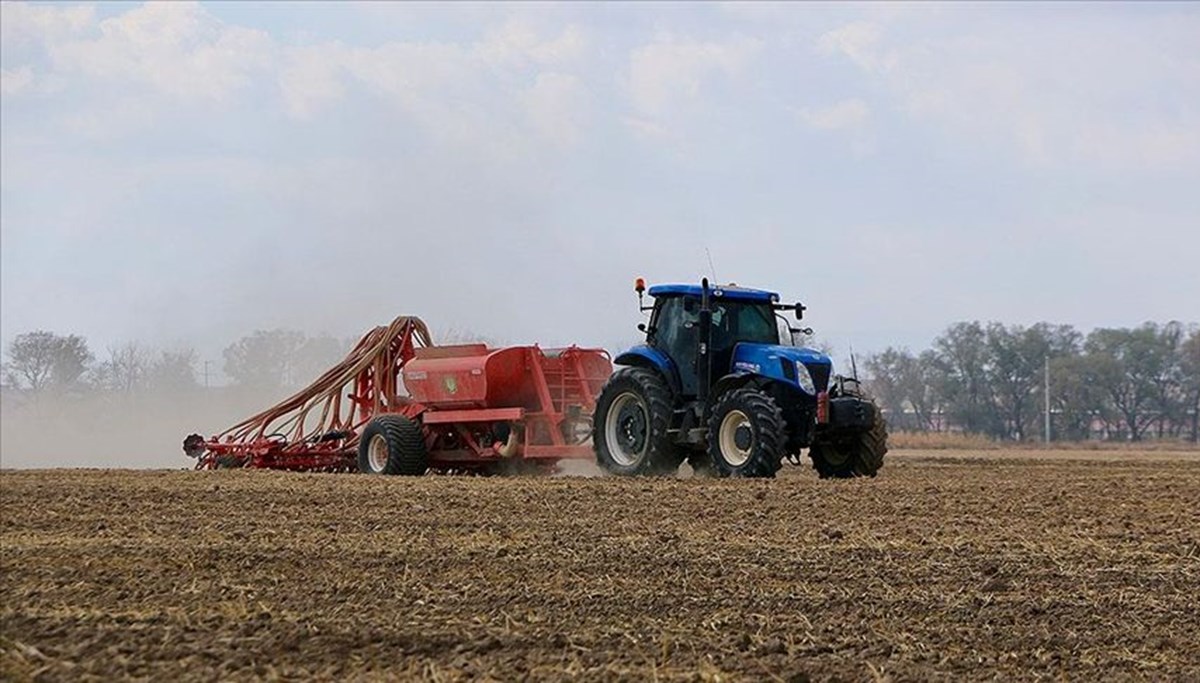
1189	363
1130	363
173	372
31	359
883	373
1170	393
457	335
1015	361
1077	398
315	356
125	369
264	359
959	373
919	379
43	360
904	383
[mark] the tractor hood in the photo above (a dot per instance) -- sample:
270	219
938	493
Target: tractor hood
780	362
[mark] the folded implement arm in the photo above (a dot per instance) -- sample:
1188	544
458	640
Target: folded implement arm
317	427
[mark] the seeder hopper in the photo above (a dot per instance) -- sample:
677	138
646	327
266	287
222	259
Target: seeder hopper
398	404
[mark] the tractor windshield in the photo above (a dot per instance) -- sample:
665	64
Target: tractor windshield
743	322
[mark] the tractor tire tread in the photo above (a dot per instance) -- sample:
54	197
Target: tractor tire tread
407	455
866	459
770	427
662	457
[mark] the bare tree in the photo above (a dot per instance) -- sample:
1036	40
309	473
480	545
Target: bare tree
905	384
1016	358
1189	362
264	359
316	355
173	372
461	335
126	367
960	375
31	359
1130	364
43	360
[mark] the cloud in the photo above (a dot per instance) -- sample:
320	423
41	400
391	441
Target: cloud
26	23
847	114
176	48
14	81
311	78
1058	94
148	61
671	71
556	105
455	90
859	41
646	128
517	42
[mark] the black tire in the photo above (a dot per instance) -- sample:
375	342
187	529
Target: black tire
404	442
747	436
859	455
639	426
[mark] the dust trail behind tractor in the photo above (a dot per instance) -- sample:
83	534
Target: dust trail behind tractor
477	409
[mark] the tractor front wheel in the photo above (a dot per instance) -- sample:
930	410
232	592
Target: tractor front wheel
859	455
392	444
746	434
630	425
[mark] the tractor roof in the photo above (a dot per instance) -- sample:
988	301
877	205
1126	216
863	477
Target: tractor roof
730	292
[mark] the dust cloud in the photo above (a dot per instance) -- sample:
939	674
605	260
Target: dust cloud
126	431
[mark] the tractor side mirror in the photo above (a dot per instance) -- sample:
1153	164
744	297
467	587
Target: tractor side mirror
800	310
800	334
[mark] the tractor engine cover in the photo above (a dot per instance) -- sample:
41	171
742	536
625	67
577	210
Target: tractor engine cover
851	413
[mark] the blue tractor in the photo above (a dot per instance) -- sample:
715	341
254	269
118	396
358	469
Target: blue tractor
715	384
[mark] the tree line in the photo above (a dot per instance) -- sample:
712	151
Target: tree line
44	363
989	378
981	378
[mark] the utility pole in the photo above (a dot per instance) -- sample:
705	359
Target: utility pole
1047	399
206	373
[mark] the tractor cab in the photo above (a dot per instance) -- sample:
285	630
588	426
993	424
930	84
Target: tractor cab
739	315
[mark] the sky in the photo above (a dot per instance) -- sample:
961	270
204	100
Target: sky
183	174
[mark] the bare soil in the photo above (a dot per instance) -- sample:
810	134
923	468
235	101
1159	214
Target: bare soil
942	568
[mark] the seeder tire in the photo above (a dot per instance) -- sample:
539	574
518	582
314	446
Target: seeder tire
393	444
630	425
859	456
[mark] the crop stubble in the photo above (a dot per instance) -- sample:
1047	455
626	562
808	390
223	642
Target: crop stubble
941	568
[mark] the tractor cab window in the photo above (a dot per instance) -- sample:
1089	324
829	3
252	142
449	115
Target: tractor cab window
676	326
743	322
677	333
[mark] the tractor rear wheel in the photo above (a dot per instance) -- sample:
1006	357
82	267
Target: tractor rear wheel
392	444
746	434
860	455
631	421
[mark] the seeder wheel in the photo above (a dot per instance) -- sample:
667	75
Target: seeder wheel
392	444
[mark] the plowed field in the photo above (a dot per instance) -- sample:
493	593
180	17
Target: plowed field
999	566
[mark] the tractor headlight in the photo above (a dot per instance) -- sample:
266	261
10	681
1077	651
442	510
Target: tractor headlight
805	379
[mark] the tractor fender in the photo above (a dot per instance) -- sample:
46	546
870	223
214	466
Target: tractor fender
781	389
734	380
644	356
